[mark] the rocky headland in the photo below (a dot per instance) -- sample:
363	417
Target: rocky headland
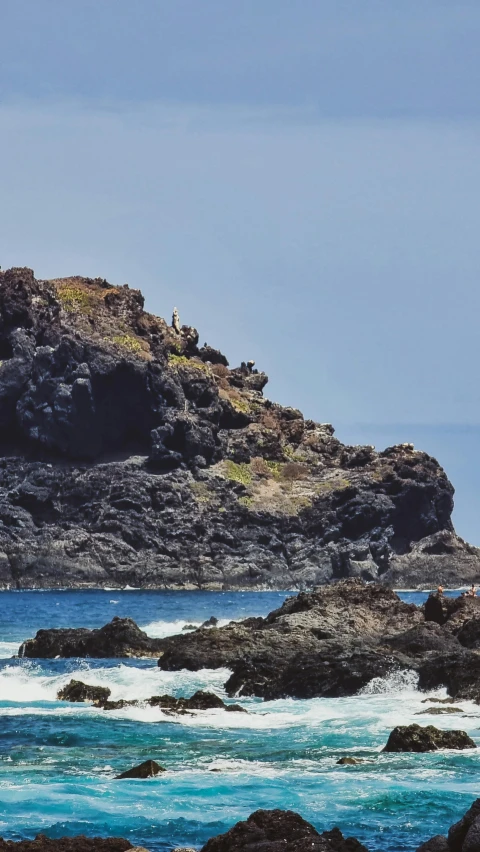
132	455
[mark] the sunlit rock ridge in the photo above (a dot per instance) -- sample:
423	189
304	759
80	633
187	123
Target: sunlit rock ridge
130	455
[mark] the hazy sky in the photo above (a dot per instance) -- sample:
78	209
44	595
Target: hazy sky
302	179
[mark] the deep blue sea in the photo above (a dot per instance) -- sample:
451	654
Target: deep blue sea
58	760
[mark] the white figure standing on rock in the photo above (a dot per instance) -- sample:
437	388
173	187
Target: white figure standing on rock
176	321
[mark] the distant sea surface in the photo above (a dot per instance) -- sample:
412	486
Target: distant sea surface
58	760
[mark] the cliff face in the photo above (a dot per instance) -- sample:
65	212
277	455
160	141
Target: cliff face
130	455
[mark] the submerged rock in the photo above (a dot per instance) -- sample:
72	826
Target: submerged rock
349	761
130	455
147	769
78	691
420	739
280	831
120	638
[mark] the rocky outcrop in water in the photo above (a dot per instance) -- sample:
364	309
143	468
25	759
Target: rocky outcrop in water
280	831
130	455
330	642
147	769
120	638
77	691
420	739
334	641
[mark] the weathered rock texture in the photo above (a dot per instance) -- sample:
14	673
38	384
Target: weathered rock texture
280	831
130	455
419	738
121	637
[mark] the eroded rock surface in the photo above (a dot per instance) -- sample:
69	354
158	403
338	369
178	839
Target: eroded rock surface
280	831
130	455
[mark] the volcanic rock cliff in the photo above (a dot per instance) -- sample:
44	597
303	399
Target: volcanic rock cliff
131	455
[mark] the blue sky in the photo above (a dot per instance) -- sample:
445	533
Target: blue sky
301	179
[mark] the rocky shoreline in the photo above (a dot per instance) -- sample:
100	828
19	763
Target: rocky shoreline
132	456
266	831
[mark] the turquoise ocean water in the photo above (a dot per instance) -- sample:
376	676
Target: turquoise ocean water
58	760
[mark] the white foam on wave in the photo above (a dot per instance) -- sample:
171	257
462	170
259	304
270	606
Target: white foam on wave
28	682
404	680
161	629
8	649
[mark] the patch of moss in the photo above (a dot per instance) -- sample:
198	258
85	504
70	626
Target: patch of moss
240	405
275	468
332	485
246	501
201	492
127	341
238	472
183	361
74	299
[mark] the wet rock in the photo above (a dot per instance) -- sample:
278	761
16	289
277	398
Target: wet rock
420	739
78	691
438	843
211	622
280	831
147	769
439	711
177	706
67	844
120	638
349	761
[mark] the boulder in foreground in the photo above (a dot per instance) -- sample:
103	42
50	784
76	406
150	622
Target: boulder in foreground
280	831
147	769
420	739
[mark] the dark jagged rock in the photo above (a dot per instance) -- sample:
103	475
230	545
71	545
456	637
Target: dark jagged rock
78	691
67	844
420	739
130	456
349	761
332	642
120	638
147	769
280	831
463	836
